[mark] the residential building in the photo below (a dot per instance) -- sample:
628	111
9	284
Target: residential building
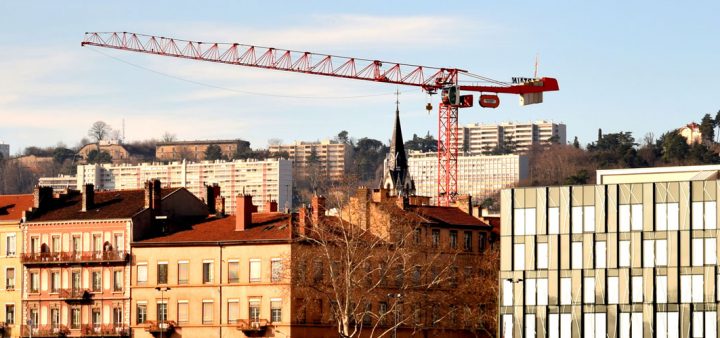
220	277
195	150
59	183
633	256
480	176
691	133
331	158
77	255
482	138
4	150
12	208
266	180
120	153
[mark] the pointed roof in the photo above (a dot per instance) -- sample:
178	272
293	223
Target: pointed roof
397	147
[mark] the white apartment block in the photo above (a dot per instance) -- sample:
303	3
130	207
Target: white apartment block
333	157
478	138
59	183
265	180
478	175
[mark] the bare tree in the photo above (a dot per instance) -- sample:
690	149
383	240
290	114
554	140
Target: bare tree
99	131
274	142
168	137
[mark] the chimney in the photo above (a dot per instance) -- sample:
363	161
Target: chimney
41	197
464	203
210	199
403	202
148	194
220	206
271	206
156	195
88	197
303	223
243	212
318	208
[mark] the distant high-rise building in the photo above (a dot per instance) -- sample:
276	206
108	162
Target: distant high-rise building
266	180
518	137
331	157
4	150
480	176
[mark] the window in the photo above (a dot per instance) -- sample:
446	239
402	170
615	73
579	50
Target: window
96	317
600	255
691	289
710	251
704	324
536	291
162	272
183	273
207	272
666	216
254	270
75	281
117	316
507	326
233	271
467	239
35	244
9	314
55	241
54	282
631	325
162	311
636	288
233	311
589	290
595	325
661	252
624	254
34	282
697	252
519	257
276	270
661	289
667	324
119	243
529	325
97	244
435	238
541	256
117	280
630	217
254	309
276	310
530	291
97	281
182	309
76	245
524	222
560	325
34	317
542	291
613	285
553	221
141	313
10	279
577	255
10	245
142	274
508	292
453	239
704	215
417	235
648	253
54	317
565	291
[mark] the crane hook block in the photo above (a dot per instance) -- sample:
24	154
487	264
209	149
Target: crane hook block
428	107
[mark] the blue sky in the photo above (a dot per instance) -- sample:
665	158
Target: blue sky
640	66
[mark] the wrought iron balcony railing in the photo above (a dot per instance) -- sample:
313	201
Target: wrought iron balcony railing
107	330
114	256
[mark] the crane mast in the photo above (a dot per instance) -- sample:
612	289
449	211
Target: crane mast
429	79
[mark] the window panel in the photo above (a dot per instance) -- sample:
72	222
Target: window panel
685	289
589	219
648	253
624	324
711	324
508	292
636	283
697	215
233	312
519	257
624	253
710	251
255	270
519	222
673	216
542	291
233	272
624	217
553	221
637	217
577	255
565	325
162	273
182	308
661	217
697	324
697	288
565	291
507	326
613	290
142	274
589	327
697	252
276	269
207	312
183	273
661	291
207	271
710	215
553	325
589	290
530	222
600	255
530	291
637	324
577	218
661	252
529	325
542	256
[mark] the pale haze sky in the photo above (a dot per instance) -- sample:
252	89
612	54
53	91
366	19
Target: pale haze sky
640	66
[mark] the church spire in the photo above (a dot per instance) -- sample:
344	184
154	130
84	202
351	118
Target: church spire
397	147
397	176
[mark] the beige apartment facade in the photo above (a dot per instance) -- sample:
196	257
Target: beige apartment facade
12	207
195	150
481	138
332	157
634	256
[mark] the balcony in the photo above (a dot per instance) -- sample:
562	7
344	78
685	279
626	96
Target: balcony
3	328
44	331
75	295
252	327
83	257
155	328
108	330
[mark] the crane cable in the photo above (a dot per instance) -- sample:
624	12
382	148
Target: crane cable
245	92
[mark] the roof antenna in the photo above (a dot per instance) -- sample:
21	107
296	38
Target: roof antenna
537	63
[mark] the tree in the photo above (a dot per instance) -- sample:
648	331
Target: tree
213	152
274	142
422	144
707	128
168	137
343	137
368	158
95	156
576	143
717	123
674	147
99	131
615	149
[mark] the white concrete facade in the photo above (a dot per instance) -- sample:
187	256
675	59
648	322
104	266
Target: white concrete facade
478	138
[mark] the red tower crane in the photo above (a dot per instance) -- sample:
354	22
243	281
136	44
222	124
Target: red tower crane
429	79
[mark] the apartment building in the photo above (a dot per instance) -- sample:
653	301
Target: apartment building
480	176
11	215
266	180
59	183
481	138
331	157
77	256
633	256
221	277
195	150
4	150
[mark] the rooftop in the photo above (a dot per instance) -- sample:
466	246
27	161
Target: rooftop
659	174
203	142
448	216
12	206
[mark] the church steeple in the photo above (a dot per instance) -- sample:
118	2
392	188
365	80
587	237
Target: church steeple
396	177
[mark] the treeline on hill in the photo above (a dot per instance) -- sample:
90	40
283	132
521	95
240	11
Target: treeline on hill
559	164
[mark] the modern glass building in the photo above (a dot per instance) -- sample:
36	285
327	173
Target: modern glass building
633	256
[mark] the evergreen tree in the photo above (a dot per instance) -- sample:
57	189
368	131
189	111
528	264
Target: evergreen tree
707	128
576	143
213	152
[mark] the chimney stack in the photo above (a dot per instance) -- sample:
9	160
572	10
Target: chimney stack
271	206
220	206
318	208
148	194
210	199
243	212
88	197
41	197
464	203
156	195
303	223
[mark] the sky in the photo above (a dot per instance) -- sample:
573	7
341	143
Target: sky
638	66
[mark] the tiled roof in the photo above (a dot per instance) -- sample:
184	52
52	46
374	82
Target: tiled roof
265	226
108	205
12	206
449	215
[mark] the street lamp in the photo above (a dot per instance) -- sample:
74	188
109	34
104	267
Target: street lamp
397	296
162	301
